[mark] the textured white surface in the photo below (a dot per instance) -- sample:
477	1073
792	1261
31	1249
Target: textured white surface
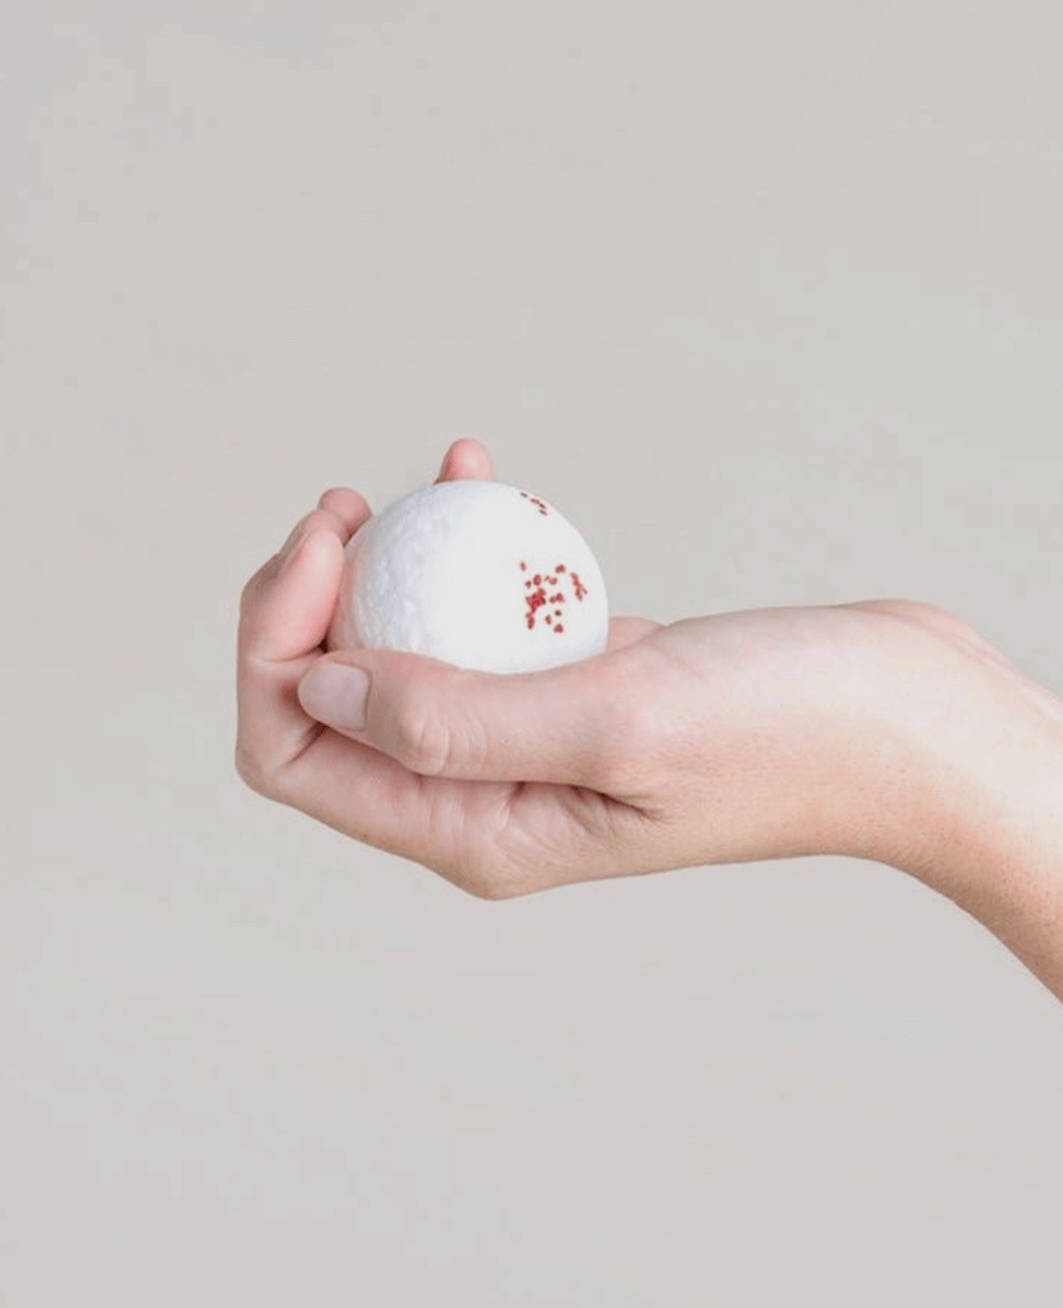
477	573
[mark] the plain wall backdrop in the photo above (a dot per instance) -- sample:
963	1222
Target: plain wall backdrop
767	298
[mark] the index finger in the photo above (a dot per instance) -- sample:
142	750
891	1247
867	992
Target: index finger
285	611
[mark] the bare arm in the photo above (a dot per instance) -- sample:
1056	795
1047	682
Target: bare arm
990	807
886	730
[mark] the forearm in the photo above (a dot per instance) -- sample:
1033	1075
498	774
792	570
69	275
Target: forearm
991	812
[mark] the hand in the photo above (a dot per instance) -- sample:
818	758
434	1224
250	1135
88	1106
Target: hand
742	736
285	754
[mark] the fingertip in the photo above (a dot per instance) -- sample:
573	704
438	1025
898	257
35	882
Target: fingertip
350	506
466	459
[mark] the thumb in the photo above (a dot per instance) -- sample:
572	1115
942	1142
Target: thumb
558	725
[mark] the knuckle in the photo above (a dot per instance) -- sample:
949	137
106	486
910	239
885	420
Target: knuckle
435	744
422	741
252	590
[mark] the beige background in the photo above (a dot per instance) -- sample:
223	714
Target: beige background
768	299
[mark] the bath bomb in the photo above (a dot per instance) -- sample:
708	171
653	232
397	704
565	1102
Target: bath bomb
476	573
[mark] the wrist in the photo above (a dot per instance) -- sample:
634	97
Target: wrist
982	821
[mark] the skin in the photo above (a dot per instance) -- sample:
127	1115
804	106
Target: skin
886	729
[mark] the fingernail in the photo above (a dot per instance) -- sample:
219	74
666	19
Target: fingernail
336	694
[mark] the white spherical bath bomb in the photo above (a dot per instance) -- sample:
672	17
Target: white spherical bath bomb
476	573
